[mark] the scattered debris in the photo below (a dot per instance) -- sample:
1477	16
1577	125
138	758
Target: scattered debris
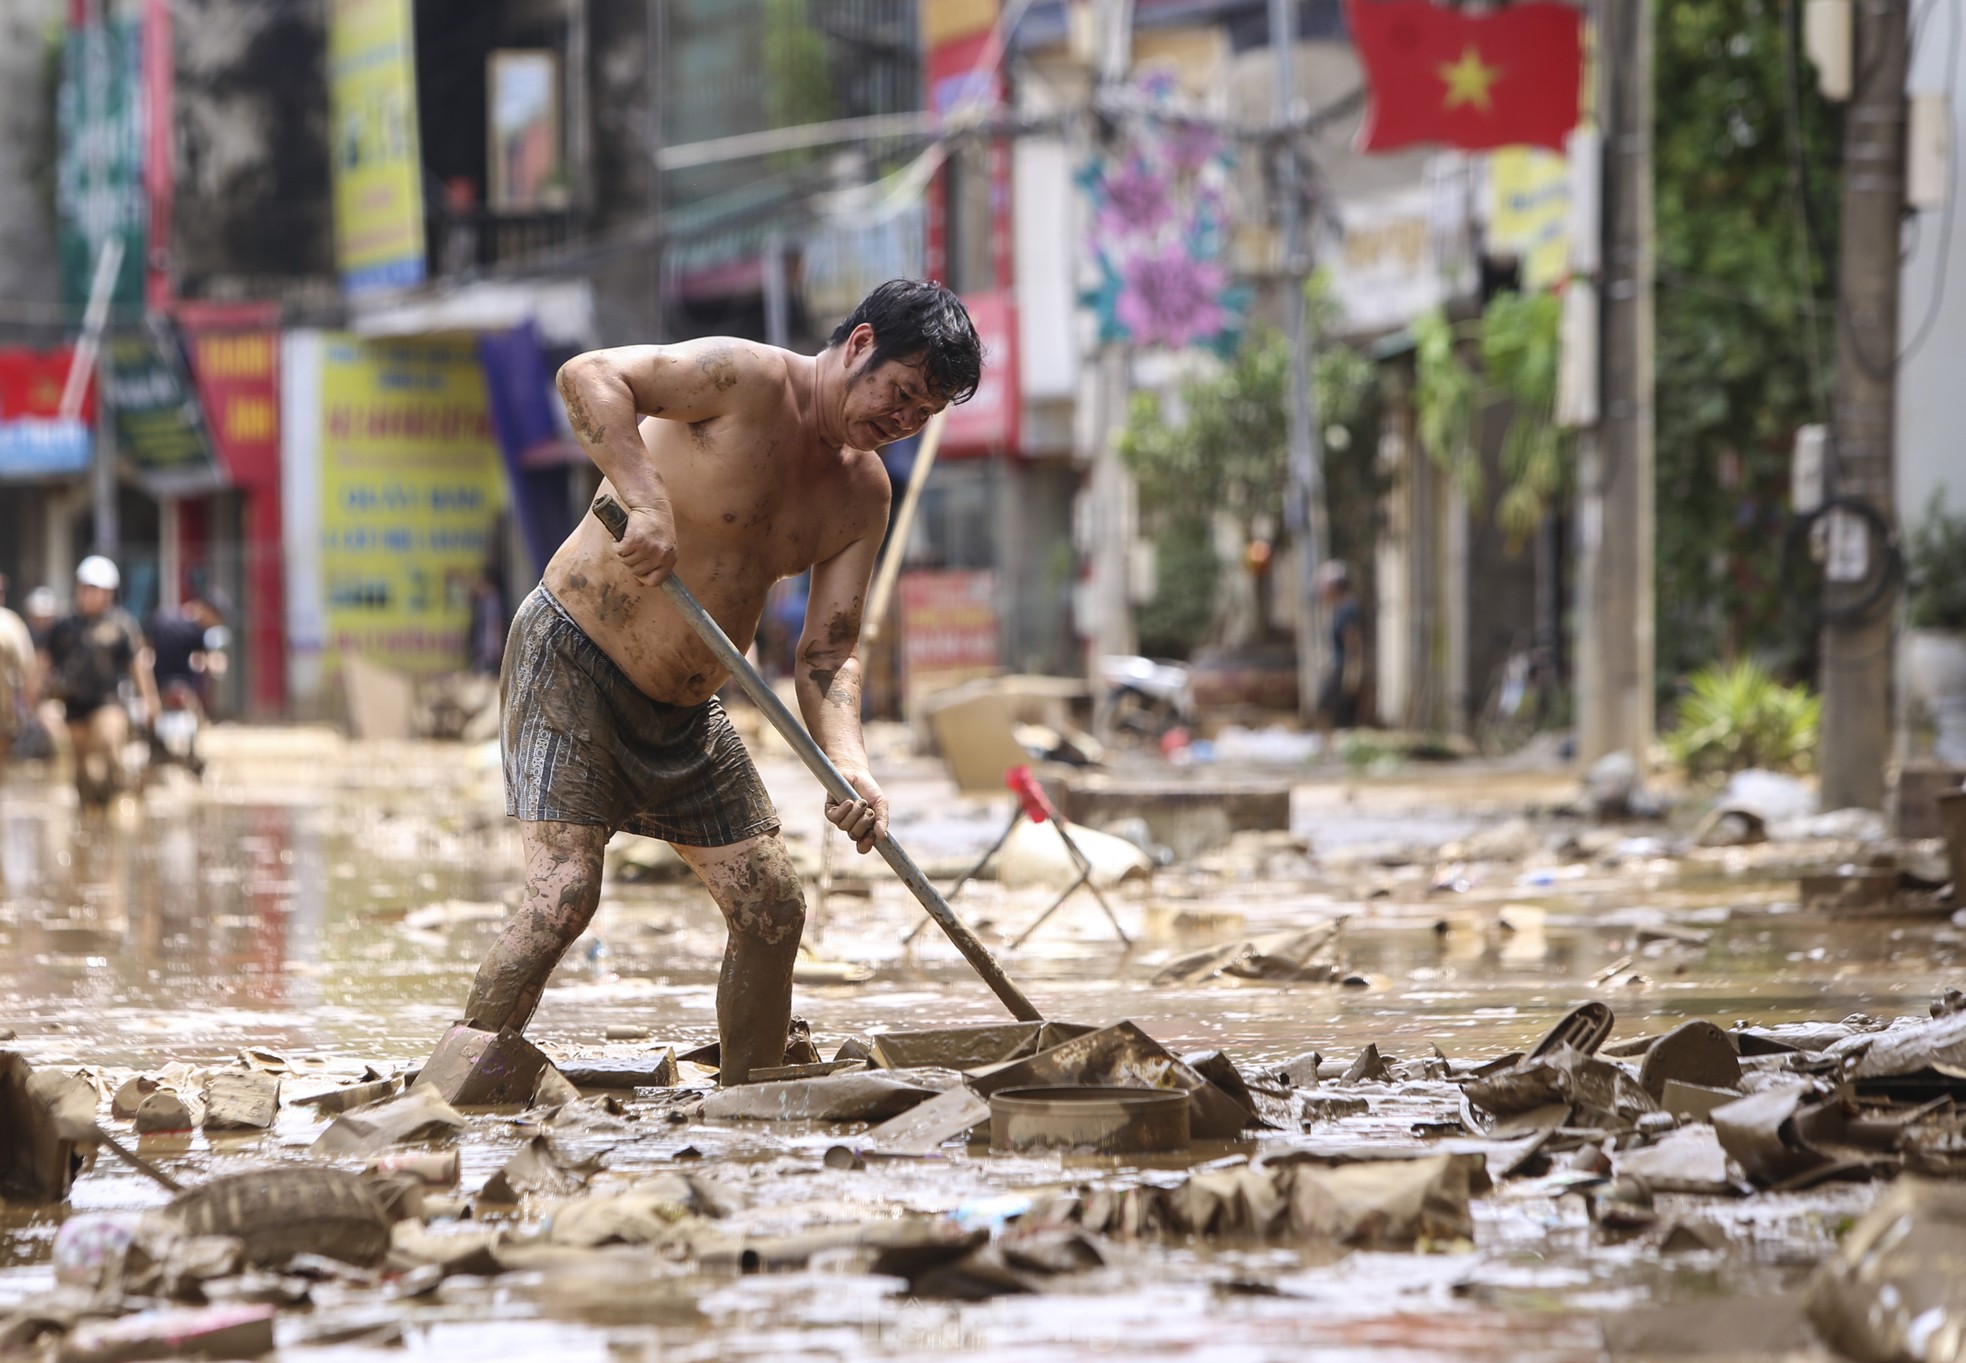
1895	1290
476	1068
1121	1055
964	1048
860	1097
1098	1120
1305	954
1695	1052
346	1098
130	1095
277	1213
1358	1198
203	1332
46	1121
419	1114
241	1100
537	1168
163	1111
928	1126
655	1070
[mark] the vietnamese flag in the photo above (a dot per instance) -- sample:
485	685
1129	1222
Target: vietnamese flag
1507	77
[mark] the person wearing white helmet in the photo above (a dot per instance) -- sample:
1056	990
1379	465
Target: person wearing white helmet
89	654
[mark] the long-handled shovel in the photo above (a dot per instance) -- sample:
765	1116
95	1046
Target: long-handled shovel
609	513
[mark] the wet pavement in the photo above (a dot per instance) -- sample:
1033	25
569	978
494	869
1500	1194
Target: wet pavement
327	903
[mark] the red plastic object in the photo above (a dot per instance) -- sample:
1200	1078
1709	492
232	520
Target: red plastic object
1024	785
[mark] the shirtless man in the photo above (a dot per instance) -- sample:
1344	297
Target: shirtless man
738	464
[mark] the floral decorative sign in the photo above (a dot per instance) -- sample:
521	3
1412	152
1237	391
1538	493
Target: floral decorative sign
1159	229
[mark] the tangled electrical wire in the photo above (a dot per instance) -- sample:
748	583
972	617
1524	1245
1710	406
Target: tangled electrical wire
1884	573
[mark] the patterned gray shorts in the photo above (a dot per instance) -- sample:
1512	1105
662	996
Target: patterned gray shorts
582	745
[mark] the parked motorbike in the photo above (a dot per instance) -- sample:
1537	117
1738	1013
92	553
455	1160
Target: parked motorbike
1145	698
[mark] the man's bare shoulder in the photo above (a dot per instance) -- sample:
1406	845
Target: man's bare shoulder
687	381
735	366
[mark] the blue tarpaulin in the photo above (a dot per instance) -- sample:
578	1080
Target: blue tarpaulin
531	438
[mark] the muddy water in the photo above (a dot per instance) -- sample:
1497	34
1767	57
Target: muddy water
331	903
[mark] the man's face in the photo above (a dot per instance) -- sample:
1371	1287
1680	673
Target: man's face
887	403
92	600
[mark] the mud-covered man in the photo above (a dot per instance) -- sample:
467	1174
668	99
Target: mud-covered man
738	464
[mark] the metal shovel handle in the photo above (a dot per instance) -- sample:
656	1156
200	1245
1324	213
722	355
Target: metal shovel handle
610	514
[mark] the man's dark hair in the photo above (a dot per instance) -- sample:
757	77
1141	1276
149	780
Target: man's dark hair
917	321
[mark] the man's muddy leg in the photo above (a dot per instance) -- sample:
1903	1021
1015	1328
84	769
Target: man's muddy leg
563	888
755	885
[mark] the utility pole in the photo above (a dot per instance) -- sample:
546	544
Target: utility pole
1615	517
1856	640
1110	500
102	474
1304	507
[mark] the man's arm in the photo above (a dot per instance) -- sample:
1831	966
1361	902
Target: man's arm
607	392
827	679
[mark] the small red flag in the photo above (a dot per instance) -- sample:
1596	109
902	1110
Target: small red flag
1504	78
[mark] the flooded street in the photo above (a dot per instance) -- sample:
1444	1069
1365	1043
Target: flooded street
323	905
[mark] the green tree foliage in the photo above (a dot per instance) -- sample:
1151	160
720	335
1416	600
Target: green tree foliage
1229	454
1935	559
1745	330
1183	608
1518	339
799	86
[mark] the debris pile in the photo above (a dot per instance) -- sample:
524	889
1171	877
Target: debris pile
371	1202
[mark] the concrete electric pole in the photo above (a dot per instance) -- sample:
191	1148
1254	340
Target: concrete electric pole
1615	515
1305	504
1857	597
1110	499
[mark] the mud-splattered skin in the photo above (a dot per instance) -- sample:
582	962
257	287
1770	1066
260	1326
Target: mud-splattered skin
738	464
758	479
755	887
563	888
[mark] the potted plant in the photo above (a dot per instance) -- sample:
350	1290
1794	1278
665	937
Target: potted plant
1935	651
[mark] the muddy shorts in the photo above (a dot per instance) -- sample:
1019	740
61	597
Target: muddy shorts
582	745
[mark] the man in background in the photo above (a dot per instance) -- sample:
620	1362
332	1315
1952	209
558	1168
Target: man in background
1343	683
90	654
187	647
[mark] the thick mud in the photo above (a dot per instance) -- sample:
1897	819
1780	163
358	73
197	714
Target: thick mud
328	904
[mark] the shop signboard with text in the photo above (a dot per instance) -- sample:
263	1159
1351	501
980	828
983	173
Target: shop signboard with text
378	173
948	629
411	489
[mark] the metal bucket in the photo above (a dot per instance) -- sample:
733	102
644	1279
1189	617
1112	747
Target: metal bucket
1111	1120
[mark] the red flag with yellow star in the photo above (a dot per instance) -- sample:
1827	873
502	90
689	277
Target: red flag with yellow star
1506	77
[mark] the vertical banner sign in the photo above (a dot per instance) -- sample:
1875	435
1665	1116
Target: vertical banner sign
238	379
378	171
159	163
962	70
236	363
1529	212
989	422
410	494
160	427
99	188
948	629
